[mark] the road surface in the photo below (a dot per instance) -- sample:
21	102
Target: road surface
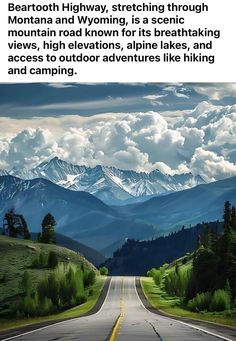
121	318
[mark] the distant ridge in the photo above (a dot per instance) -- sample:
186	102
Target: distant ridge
109	184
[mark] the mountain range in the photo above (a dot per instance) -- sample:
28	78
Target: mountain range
192	206
111	185
135	257
82	216
79	215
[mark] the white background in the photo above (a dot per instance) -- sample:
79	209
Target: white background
221	15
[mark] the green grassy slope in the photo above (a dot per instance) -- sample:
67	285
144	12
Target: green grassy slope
173	305
16	256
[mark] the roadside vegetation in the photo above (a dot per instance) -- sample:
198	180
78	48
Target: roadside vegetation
40	281
202	284
103	271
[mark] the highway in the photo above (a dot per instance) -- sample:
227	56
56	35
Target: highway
122	317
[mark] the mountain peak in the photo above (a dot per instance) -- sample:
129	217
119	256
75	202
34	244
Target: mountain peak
110	184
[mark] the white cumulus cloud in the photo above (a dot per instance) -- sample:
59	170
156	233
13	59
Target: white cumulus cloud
202	141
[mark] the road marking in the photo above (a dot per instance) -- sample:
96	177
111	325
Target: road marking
108	290
122	314
184	323
57	323
112	338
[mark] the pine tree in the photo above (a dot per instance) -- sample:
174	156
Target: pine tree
48	233
9	218
233	218
227	215
26	233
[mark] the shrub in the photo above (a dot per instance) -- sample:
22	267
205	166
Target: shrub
29	306
151	272
52	260
89	278
177	282
157	277
103	271
42	290
53	289
81	299
220	300
40	261
62	289
26	283
46	307
200	302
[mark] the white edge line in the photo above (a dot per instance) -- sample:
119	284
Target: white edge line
98	312
184	323
57	323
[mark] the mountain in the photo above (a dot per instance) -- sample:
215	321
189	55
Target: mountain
79	215
109	184
201	203
3	172
92	255
87	219
136	257
108	251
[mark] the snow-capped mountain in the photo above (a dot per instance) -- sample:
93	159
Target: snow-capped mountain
3	172
109	184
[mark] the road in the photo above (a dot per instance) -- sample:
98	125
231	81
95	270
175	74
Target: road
121	318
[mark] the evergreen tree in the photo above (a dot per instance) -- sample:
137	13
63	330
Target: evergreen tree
205	270
233	218
25	232
48	232
227	215
9	218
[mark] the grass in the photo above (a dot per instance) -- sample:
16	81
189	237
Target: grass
16	256
159	299
77	311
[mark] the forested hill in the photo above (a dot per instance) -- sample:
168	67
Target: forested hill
136	257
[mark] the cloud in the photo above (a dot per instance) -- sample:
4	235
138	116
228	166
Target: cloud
202	141
60	85
216	91
153	97
177	91
211	166
29	147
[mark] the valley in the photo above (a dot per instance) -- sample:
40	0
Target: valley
87	219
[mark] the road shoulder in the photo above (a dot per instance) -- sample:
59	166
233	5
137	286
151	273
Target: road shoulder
11	333
229	332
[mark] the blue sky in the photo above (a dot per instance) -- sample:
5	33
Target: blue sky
176	128
44	99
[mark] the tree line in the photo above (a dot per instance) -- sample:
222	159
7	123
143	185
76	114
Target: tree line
155	252
210	283
15	225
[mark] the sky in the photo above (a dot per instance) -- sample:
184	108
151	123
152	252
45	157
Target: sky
176	128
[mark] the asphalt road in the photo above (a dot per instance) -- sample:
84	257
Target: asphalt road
121	318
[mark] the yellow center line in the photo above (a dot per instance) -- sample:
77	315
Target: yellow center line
121	316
